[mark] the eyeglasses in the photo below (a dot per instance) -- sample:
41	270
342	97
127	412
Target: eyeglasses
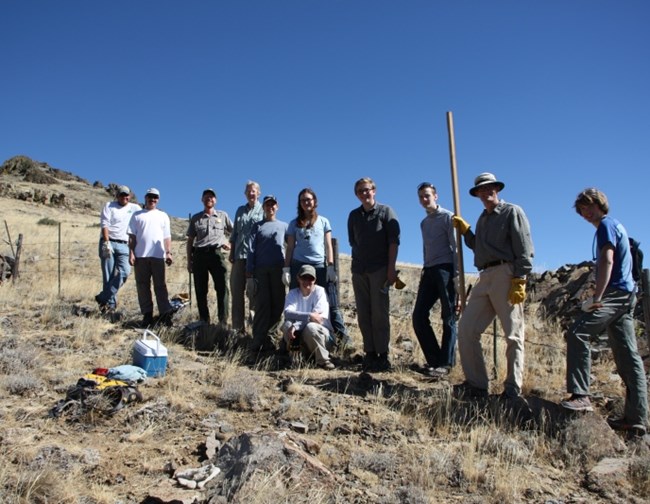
306	200
425	185
364	190
152	196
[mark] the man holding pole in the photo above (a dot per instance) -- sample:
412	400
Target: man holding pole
503	252
436	283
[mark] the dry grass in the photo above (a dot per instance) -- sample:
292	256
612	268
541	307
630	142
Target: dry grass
397	439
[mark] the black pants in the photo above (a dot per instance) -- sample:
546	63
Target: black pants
210	261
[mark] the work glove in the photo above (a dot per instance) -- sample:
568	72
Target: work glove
251	287
460	224
107	249
517	292
286	276
589	305
331	274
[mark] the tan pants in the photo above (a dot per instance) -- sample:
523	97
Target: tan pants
488	298
237	293
315	340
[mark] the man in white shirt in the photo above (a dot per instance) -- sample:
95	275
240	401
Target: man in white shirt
114	246
306	315
150	248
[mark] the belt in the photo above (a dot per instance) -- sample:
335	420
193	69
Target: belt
209	248
492	263
118	241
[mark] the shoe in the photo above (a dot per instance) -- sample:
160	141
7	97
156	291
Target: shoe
382	363
166	318
328	365
103	307
509	395
620	424
577	403
369	362
466	391
147	320
438	372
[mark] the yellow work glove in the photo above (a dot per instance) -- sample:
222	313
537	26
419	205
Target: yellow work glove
460	224
517	292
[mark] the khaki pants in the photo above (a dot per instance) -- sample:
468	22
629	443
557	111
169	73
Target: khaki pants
373	310
237	293
489	298
316	340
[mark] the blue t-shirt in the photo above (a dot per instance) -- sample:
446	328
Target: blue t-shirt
610	231
310	242
266	248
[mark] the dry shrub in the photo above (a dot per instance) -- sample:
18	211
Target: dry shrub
587	439
17	356
240	391
639	474
21	384
383	463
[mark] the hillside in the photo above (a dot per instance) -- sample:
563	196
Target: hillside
277	434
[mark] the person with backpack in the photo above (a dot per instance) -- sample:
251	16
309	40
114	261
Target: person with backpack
611	309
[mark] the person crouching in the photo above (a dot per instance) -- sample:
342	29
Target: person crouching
306	315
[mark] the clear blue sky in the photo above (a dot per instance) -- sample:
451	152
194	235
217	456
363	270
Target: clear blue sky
551	96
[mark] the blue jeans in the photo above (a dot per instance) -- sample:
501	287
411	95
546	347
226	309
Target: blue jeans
436	283
115	270
615	317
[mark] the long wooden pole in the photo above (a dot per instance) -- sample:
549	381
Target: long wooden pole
454	185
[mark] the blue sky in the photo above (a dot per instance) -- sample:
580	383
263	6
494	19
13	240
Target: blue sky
550	96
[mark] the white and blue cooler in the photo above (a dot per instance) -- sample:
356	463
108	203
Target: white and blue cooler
150	354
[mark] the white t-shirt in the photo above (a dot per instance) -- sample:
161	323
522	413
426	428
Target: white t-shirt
116	218
298	307
150	228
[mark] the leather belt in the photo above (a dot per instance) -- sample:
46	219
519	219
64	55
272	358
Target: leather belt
209	248
492	263
118	241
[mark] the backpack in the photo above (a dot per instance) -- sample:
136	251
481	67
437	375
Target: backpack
94	392
637	260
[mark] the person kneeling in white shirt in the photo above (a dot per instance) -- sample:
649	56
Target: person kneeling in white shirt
306	317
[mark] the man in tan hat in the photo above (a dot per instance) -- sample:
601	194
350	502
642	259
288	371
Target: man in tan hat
503	253
207	239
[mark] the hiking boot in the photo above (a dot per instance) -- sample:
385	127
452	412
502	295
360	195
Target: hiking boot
466	391
147	320
369	361
577	403
328	365
166	318
621	424
382	363
509	394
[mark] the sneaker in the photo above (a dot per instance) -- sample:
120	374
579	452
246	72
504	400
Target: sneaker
328	365
621	424
466	391
438	372
577	403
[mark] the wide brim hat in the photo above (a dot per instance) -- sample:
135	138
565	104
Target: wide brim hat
485	179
